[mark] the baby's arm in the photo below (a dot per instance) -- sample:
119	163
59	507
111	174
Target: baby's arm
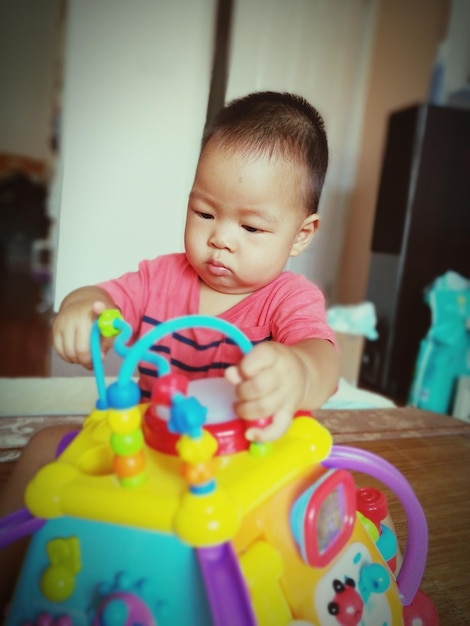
276	380
72	327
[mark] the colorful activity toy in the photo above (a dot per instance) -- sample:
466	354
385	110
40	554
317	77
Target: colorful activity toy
163	514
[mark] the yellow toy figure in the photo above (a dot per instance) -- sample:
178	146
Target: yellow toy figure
164	513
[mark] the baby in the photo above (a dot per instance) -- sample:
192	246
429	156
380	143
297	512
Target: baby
252	206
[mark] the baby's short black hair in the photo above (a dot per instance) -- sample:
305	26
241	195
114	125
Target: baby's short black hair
280	125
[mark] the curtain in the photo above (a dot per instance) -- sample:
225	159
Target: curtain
320	49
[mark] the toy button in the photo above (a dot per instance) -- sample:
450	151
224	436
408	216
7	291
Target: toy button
372	503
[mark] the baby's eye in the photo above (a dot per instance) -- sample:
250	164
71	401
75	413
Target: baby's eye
251	229
205	216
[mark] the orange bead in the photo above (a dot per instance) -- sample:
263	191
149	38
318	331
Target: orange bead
125	466
197	473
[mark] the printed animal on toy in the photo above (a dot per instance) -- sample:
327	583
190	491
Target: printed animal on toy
162	513
347	605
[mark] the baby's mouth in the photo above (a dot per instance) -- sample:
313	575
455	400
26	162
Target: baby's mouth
216	268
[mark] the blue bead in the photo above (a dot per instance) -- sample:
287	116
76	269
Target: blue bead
123	396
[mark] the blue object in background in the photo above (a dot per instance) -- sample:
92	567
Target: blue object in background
354	319
444	353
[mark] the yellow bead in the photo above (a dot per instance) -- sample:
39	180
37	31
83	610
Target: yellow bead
123	421
197	450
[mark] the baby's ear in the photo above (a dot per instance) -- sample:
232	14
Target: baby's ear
305	234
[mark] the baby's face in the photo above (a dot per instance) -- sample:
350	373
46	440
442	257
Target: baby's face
244	220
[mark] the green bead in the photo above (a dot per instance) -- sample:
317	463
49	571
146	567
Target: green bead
134	481
128	443
259	449
105	322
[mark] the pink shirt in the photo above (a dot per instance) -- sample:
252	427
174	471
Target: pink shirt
287	310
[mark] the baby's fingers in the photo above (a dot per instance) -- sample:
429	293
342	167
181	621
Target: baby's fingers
262	357
81	348
58	342
98	307
277	426
232	375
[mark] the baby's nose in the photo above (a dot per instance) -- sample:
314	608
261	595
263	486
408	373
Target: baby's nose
221	238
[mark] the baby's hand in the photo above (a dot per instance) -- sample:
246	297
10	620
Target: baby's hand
270	382
71	329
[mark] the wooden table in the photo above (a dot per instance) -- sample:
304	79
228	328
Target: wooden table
433	453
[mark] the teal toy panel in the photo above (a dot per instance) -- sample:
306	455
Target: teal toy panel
81	572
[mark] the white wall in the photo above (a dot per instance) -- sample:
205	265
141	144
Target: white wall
136	86
28	33
137	78
320	50
457	48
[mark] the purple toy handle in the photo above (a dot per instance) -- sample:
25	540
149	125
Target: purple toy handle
17	525
414	560
228	595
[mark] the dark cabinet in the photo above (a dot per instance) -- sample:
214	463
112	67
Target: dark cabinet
421	230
